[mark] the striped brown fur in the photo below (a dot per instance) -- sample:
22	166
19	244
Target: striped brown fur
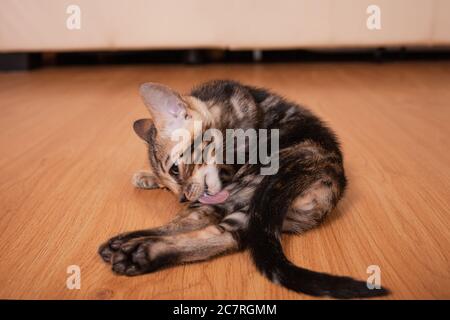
309	183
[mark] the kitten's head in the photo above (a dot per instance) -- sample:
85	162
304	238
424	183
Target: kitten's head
172	114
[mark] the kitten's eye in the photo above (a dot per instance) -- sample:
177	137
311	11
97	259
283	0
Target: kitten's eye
174	171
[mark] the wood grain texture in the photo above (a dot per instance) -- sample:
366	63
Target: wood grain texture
68	152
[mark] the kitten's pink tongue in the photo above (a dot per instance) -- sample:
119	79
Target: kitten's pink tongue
219	197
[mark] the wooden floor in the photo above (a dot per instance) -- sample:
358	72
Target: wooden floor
68	152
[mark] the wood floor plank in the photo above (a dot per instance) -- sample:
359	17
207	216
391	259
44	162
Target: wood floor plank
68	152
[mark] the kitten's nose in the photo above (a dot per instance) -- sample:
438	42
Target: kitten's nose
183	198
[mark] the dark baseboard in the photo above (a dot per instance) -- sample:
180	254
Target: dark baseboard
28	61
204	56
19	61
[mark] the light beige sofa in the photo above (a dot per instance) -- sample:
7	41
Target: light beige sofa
40	25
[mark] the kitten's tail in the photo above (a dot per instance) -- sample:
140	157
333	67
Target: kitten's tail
267	213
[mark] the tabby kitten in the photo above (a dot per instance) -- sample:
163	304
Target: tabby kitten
232	206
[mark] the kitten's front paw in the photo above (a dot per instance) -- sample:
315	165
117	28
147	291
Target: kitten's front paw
107	249
144	180
135	256
133	259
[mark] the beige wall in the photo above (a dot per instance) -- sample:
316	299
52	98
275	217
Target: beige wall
30	25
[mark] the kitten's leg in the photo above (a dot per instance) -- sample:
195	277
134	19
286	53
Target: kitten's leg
309	209
144	180
187	220
143	255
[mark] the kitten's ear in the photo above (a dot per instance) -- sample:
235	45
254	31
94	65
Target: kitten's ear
142	128
164	104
